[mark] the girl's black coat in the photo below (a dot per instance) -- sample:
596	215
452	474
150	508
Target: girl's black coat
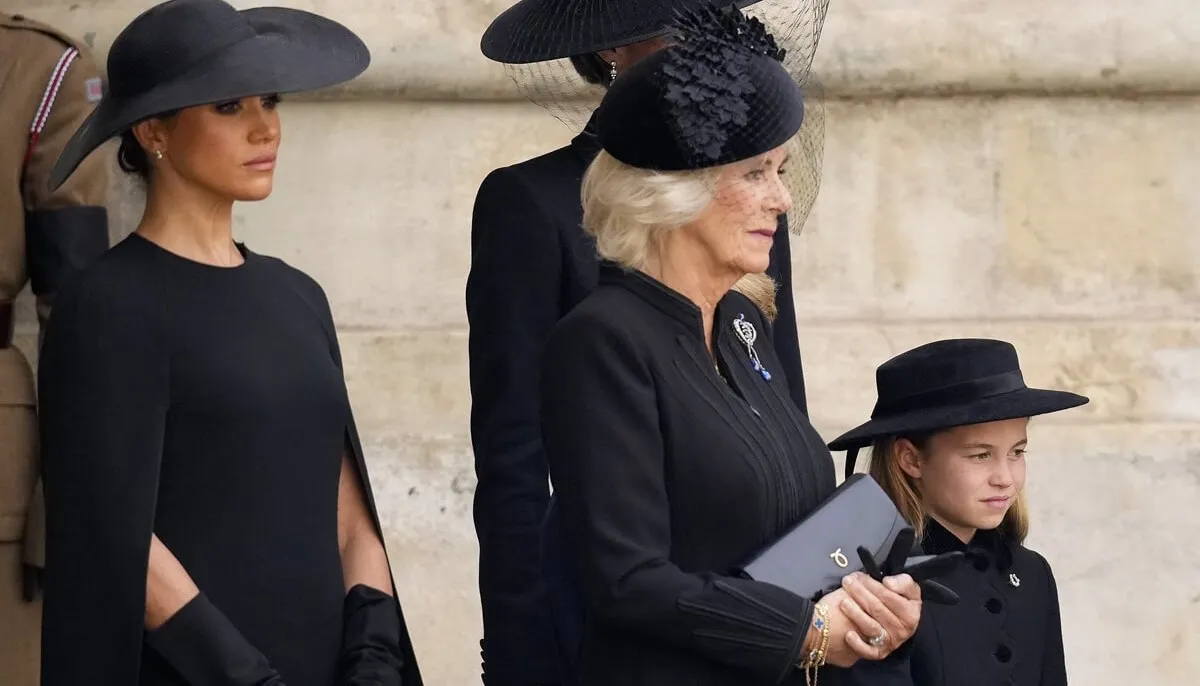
1006	631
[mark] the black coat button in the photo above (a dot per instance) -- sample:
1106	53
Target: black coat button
1003	653
994	605
980	562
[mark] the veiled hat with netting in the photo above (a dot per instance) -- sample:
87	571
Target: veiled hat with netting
537	40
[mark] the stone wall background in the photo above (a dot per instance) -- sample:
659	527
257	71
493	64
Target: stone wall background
1012	168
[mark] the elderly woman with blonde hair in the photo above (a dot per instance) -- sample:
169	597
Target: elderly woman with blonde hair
673	446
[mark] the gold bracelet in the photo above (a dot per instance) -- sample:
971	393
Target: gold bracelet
815	659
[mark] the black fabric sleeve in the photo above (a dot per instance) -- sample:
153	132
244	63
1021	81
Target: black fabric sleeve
1054	660
785	336
600	424
512	302
891	671
206	648
104	391
60	242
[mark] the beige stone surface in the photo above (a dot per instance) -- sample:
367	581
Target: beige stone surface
1072	207
1009	168
414	382
431	50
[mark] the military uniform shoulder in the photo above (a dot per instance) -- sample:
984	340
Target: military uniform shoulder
20	21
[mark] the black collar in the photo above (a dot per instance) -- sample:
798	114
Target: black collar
989	543
587	144
670	302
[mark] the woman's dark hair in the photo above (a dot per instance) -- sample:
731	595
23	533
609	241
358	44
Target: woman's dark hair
593	68
131	157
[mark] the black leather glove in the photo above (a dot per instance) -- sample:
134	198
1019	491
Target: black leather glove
922	568
207	649
371	654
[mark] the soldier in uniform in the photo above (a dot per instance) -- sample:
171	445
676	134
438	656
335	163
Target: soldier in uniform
48	85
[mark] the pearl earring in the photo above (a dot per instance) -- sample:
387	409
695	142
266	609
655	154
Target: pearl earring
158	154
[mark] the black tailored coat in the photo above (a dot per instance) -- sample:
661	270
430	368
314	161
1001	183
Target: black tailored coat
1006	631
668	477
531	263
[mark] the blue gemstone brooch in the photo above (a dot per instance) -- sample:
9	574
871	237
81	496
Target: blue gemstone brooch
747	333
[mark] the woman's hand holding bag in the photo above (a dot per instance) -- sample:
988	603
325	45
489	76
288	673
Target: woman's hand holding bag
864	609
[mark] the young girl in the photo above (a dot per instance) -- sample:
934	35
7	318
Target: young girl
948	439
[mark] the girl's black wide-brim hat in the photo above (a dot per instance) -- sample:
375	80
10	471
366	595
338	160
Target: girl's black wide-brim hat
950	383
184	53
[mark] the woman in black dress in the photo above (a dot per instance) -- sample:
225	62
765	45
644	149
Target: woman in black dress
671	438
531	263
210	519
949	436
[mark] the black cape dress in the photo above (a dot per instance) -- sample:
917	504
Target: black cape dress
206	405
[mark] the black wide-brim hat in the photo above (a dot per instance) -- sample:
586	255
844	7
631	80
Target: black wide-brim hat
951	383
542	30
184	53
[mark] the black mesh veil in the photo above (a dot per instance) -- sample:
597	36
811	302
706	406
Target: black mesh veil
558	87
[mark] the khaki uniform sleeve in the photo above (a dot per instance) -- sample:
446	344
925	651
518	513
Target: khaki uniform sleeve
68	227
65	229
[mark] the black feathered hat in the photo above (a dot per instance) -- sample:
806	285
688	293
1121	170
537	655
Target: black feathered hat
718	94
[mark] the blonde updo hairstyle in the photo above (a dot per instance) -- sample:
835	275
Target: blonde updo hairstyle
628	210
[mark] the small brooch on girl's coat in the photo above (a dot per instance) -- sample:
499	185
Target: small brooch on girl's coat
745	331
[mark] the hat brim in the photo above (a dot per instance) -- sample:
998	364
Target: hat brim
293	51
1027	402
534	31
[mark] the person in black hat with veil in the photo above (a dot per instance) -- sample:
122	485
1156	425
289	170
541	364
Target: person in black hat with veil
532	263
674	446
209	513
948	440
